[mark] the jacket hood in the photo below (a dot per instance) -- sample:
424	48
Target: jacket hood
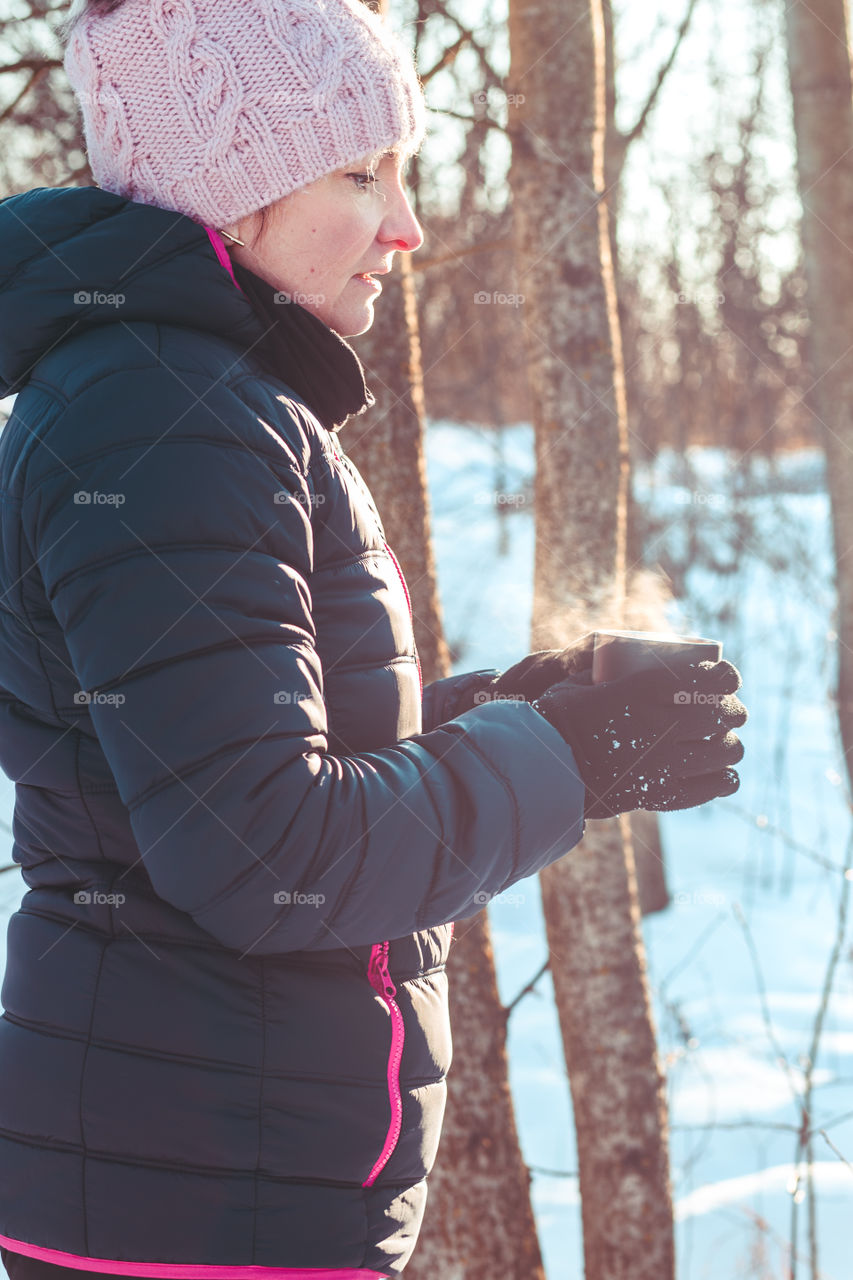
80	257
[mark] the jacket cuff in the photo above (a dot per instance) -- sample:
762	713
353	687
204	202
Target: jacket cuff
449	697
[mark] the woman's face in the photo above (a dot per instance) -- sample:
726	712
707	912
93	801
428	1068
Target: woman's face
318	241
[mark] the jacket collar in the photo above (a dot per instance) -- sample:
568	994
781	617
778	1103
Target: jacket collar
305	353
73	258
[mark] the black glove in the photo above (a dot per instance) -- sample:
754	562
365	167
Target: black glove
530	677
655	740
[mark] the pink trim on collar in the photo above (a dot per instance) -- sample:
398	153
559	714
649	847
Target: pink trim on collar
221	253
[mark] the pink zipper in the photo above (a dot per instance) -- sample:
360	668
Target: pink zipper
380	980
411	615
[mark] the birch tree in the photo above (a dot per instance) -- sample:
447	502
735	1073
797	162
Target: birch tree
565	272
479	1221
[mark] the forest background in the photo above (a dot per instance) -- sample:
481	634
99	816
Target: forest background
686	365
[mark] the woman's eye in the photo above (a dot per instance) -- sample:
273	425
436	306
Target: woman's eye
365	178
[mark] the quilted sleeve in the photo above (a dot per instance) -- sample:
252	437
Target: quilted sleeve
181	587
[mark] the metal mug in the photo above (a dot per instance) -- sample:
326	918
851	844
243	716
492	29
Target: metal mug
622	653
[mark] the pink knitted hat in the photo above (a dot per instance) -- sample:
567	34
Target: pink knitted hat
216	108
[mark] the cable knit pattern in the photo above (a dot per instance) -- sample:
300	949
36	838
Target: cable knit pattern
216	108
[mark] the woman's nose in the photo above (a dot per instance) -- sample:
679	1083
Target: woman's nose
401	226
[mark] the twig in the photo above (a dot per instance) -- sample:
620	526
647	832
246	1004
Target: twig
762	996
832	1145
525	990
693	952
830	1124
33	80
447	57
737	1124
30	64
760	821
487	121
664	71
554	1173
467	36
814	1047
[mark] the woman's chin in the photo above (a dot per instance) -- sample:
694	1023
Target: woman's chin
350	321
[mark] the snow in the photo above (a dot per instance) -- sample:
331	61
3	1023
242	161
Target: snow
758	874
774	851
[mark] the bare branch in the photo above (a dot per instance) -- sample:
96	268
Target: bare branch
446	58
33	80
834	1148
632	134
457	115
526	991
468	37
807	1144
30	64
781	1057
554	1173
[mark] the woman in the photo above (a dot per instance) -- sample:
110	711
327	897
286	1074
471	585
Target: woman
244	827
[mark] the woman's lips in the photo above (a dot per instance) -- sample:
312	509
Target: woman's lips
368	280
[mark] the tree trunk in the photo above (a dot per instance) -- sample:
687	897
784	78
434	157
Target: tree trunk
645	826
819	68
599	972
386	444
578	396
479	1221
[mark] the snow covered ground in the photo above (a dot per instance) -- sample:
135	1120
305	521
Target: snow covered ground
757	875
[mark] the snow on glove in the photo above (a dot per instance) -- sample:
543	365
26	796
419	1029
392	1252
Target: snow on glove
530	677
651	740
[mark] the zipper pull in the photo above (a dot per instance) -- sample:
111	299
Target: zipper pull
381	972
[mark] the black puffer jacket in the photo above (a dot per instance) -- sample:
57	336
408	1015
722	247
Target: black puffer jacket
226	1034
